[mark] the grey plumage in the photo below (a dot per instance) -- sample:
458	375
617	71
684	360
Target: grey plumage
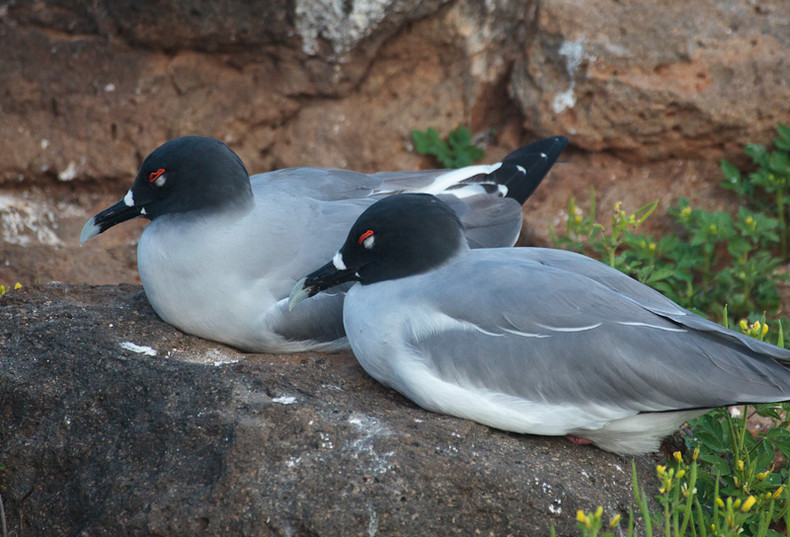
223	249
540	341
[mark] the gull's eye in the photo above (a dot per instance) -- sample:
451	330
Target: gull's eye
158	177
367	239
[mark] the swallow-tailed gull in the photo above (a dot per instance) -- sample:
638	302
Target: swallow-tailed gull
532	340
223	249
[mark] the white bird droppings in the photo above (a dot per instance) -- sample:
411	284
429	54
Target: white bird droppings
139	349
284	400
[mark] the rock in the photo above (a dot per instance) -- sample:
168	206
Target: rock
652	96
90	89
656	81
113	422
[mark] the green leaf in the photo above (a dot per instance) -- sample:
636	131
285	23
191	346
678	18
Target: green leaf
460	138
732	173
459	151
784	136
779	162
427	142
738	247
756	151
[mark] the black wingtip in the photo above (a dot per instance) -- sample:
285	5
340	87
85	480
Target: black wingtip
524	169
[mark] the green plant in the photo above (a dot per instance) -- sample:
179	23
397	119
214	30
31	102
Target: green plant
766	187
716	260
726	266
583	233
683	512
457	152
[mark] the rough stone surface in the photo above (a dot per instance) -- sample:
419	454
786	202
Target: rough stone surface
657	80
653	96
99	439
100	436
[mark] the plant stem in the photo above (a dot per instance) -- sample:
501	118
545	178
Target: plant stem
780	209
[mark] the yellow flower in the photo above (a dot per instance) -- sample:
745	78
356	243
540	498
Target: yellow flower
681	473
17	285
748	504
695	454
615	520
739	464
778	492
652	247
744	325
765	328
686	211
661	470
580	516
719	502
677	456
762	475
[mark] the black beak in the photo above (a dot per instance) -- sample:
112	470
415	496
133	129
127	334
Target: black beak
324	278
120	212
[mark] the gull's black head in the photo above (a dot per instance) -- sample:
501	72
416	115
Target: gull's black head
401	236
396	237
190	173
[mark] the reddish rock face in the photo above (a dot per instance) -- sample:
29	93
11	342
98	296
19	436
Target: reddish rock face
652	81
651	97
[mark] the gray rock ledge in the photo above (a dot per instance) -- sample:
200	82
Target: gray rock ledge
99	436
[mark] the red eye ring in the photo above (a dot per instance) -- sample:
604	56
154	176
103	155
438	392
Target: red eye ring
365	235
155	175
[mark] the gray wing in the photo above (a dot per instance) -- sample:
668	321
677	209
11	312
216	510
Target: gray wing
335	184
324	184
645	296
564	332
489	219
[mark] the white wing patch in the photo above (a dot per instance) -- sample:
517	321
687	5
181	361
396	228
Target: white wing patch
569	328
486	332
646	325
524	334
435	322
446	180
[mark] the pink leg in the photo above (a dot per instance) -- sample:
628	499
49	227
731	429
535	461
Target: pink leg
578	440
